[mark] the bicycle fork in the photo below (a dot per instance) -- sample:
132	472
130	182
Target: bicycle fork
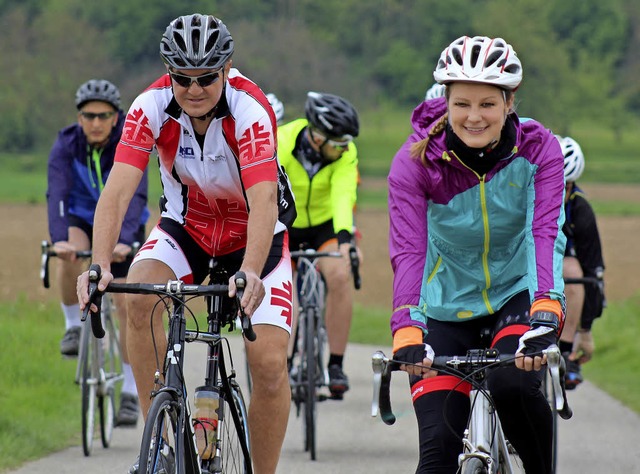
484	439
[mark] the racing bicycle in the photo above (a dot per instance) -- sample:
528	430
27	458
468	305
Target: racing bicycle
485	447
169	433
308	374
99	368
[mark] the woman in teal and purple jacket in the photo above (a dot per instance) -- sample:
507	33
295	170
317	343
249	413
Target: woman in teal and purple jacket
476	242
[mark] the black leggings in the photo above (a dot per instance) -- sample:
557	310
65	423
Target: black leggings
442	413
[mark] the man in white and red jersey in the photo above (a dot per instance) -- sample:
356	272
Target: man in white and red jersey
225	197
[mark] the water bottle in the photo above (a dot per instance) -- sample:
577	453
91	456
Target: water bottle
205	421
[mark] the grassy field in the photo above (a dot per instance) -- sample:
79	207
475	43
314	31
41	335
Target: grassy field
40	405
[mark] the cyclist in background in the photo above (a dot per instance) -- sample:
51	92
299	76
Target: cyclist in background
435	91
583	258
80	161
322	163
277	106
467	255
225	199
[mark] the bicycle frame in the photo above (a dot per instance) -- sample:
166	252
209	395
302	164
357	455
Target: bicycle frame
172	393
483	439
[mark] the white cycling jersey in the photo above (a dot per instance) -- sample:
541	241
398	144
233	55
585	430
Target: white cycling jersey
204	188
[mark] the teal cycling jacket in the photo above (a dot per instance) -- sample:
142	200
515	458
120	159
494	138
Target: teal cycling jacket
461	245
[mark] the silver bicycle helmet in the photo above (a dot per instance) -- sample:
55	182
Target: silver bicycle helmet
573	158
332	115
435	91
277	106
479	59
196	42
98	89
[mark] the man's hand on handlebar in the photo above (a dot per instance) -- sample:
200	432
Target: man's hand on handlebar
82	288
65	250
253	294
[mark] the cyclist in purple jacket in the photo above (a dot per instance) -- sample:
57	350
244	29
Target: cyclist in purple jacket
79	164
476	245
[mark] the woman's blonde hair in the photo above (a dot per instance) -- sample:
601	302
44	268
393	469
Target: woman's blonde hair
418	149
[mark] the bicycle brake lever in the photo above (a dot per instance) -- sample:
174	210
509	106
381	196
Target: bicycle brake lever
95	297
247	328
377	364
554	361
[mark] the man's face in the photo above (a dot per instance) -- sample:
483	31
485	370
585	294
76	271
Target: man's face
197	91
97	119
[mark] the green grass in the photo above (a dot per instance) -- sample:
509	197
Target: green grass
616	365
39	399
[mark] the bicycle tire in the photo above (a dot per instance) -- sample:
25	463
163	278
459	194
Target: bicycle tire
550	395
231	435
89	373
163	436
310	356
112	373
473	466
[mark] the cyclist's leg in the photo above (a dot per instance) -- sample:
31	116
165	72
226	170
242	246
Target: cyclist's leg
338	312
575	299
441	403
524	411
271	396
575	295
67	273
163	257
129	400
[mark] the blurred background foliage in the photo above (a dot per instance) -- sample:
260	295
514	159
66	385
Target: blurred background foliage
580	57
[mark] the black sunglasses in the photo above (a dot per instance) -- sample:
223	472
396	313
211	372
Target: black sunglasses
90	116
203	81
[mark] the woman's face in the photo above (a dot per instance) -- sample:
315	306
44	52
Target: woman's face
477	112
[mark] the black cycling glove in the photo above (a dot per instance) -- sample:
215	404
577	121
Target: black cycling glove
413	354
543	333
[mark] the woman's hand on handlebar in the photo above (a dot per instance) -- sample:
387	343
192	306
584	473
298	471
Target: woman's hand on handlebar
421	355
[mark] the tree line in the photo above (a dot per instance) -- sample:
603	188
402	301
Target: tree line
579	56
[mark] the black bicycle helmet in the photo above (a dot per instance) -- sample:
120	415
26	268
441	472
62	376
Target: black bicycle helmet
98	89
332	115
196	42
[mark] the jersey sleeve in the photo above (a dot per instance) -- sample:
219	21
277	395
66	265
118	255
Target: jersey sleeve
344	188
59	182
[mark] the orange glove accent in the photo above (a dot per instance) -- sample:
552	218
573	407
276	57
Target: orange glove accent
407	337
553	306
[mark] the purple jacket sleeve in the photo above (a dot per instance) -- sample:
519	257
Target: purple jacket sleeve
59	177
407	234
547	220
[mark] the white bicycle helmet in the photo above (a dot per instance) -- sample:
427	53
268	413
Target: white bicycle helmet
435	91
196	42
479	59
277	106
573	158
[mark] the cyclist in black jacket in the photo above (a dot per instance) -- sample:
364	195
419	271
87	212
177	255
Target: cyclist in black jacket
583	258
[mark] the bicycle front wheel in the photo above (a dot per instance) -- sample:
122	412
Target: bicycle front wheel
550	394
112	374
233	435
474	466
162	438
310	354
89	376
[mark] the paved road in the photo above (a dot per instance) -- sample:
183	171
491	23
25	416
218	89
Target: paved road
602	436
